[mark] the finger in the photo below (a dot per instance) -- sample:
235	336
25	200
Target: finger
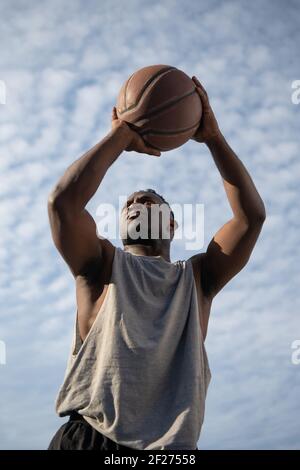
203	96
156	153
114	113
198	84
152	151
195	79
202	89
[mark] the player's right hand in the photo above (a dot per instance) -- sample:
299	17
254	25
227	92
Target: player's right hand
137	143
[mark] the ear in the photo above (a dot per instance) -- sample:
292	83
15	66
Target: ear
174	224
173	227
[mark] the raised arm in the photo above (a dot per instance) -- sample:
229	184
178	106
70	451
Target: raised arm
230	249
73	228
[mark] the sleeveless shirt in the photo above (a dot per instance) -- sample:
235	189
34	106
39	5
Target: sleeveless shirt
141	375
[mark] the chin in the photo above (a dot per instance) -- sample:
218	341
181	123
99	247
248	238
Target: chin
139	241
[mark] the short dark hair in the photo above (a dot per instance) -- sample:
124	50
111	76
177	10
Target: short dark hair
150	190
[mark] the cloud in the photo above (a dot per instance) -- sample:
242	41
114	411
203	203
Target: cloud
63	69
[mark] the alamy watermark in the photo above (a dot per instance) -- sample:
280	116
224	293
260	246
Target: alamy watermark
2	92
154	221
2	352
295	97
296	353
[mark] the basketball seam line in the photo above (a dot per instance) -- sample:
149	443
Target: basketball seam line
159	109
178	131
126	89
160	72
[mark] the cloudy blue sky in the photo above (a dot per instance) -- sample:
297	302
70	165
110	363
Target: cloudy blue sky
63	64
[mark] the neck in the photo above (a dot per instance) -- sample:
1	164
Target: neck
147	250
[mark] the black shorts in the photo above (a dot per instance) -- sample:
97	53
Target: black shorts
78	434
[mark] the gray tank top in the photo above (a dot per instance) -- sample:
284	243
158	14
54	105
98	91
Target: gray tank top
141	375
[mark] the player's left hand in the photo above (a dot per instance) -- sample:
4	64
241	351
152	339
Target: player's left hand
208	127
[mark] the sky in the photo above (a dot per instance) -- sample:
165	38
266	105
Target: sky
63	64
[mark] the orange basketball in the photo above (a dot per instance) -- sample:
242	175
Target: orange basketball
162	105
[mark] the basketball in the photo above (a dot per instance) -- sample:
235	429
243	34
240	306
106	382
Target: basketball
161	103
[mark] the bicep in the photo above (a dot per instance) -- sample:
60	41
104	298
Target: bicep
228	252
75	237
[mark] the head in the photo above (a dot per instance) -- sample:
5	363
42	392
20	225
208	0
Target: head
147	219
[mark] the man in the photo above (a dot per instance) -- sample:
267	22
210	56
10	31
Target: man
138	373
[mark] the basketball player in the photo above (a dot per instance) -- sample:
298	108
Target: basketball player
138	373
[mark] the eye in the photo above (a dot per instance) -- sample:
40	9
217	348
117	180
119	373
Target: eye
146	200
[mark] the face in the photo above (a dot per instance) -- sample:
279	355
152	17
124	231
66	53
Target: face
145	218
